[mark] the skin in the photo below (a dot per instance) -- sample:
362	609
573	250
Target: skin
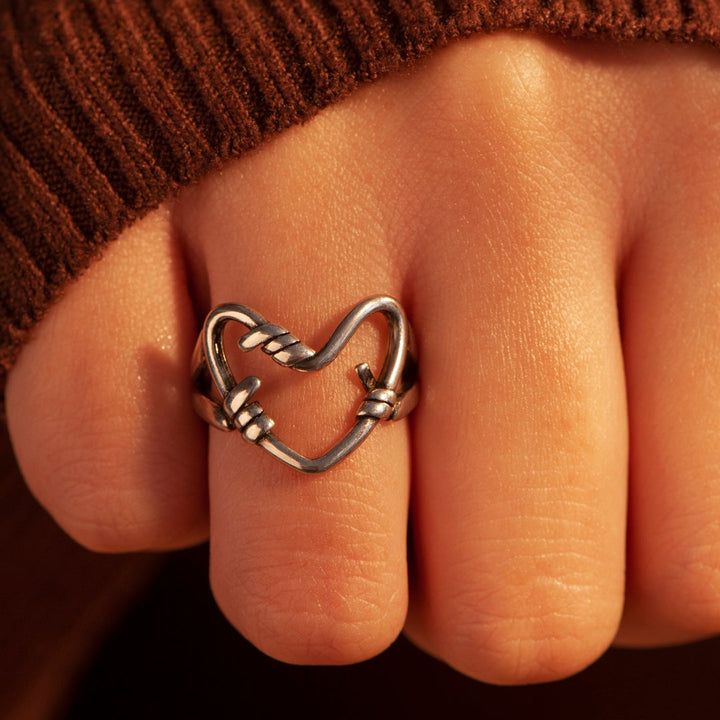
547	213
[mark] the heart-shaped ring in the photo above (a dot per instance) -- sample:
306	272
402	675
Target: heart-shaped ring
226	404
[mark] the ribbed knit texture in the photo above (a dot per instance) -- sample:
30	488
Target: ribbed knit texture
109	106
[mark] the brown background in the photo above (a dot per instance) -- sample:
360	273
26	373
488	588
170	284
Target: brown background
89	636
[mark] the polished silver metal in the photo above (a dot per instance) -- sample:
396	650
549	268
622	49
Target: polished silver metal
225	403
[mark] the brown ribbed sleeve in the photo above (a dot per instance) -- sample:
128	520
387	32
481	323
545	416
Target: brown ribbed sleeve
109	106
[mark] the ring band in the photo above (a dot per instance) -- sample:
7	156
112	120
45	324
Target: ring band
226	404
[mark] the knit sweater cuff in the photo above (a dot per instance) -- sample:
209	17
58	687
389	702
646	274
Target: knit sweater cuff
107	107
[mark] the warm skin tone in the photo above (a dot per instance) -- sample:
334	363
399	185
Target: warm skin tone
525	200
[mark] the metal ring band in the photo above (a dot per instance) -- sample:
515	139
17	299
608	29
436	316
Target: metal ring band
227	404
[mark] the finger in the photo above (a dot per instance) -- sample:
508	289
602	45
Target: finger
520	438
520	452
98	406
312	569
671	325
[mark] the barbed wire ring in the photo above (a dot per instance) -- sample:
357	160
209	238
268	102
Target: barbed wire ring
227	404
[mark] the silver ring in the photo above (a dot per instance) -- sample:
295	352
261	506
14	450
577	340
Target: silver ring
226	404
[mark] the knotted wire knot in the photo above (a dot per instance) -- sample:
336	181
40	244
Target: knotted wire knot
247	417
378	403
284	348
253	422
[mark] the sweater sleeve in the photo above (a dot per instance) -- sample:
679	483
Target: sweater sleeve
108	107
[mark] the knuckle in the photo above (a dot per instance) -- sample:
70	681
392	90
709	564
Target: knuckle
107	505
294	611
693	573
528	87
504	93
101	523
520	69
91	512
543	641
700	611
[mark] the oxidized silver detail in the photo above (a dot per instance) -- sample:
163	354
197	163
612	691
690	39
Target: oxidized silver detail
226	404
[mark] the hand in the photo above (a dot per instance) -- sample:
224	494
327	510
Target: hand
547	213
